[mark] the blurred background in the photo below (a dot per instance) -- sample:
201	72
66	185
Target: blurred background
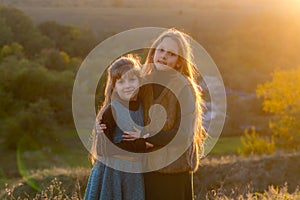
255	44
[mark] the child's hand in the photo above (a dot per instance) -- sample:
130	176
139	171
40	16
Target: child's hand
149	145
100	127
103	126
131	135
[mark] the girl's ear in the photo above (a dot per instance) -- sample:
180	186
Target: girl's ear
178	65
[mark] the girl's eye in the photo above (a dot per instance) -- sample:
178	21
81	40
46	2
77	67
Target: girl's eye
133	79
172	54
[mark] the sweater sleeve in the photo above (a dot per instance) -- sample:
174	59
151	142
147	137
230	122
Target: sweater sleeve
138	145
184	123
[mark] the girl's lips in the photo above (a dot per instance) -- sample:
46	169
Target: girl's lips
162	62
128	92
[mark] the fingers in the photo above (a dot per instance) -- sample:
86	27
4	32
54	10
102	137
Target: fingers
129	139
103	126
98	129
136	133
149	145
146	135
128	135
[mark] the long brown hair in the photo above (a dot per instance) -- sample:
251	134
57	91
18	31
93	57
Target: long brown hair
189	70
125	64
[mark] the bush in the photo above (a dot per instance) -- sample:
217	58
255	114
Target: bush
252	143
36	122
281	99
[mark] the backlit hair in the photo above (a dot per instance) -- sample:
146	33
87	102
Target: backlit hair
188	69
129	65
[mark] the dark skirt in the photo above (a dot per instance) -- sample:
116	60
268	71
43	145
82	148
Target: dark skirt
107	183
177	186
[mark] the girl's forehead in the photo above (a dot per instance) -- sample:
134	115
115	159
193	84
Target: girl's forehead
129	74
169	44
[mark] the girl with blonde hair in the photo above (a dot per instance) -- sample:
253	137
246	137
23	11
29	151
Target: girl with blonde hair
171	52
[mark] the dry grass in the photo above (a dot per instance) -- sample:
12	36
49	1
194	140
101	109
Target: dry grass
56	191
226	177
271	193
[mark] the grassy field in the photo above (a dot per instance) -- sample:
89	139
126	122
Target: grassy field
226	145
62	172
70	152
67	152
225	177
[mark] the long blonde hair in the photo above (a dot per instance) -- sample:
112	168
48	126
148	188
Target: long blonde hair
116	70
189	70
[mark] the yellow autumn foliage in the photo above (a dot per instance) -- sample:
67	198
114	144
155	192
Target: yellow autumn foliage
281	97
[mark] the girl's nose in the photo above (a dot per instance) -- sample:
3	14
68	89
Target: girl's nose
127	84
164	55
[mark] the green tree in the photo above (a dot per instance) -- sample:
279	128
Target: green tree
6	101
55	60
72	40
35	121
59	93
281	98
33	100
6	34
14	49
24	31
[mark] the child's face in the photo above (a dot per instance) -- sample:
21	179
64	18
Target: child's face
127	87
166	54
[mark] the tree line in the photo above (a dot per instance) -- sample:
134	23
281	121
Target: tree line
37	71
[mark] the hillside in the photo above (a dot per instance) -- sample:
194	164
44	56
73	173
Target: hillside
229	176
